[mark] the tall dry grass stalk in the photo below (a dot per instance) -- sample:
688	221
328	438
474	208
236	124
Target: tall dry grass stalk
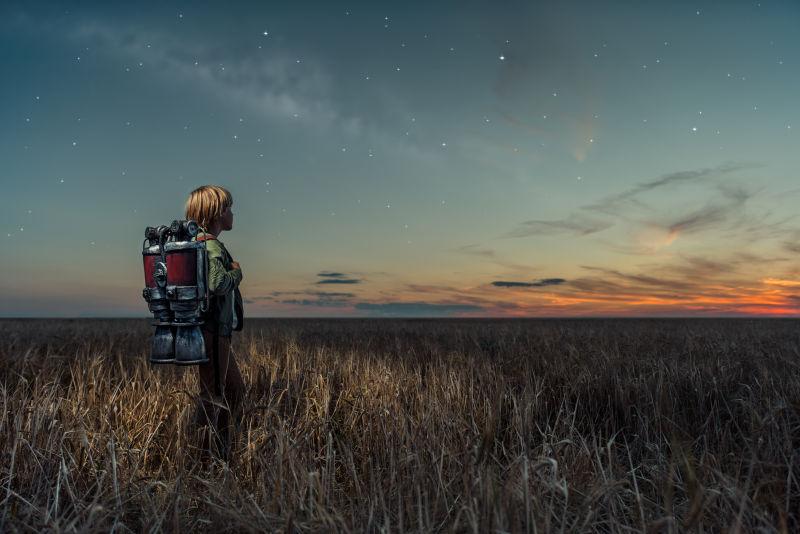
410	425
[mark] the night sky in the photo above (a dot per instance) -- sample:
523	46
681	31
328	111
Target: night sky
409	159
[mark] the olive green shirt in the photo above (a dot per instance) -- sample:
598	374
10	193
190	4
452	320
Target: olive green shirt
225	304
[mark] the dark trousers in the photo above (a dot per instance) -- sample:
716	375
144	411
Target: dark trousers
220	398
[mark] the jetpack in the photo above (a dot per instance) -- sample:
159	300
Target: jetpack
176	291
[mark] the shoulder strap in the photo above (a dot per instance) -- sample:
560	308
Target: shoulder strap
206	237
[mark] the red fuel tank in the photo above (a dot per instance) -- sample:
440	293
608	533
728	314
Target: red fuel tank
182	267
150	268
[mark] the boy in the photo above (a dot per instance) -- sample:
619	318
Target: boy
220	379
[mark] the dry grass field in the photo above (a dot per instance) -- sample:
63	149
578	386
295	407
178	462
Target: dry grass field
411	425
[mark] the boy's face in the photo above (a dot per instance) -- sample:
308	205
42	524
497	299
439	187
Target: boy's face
227	219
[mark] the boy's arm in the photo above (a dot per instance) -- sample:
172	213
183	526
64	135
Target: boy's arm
221	280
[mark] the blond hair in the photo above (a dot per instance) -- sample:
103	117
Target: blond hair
207	203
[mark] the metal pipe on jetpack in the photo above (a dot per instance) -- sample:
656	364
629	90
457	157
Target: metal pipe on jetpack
155	279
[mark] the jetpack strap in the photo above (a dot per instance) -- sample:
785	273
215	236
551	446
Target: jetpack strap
205	237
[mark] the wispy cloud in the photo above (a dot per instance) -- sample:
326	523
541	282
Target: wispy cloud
649	230
611	204
713	214
792	246
576	224
539	283
476	250
336	278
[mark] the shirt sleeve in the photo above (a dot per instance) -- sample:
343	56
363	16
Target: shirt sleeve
221	280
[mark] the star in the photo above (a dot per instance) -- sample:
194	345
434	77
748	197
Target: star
266	33
502	58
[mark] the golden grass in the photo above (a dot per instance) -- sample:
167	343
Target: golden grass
410	425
